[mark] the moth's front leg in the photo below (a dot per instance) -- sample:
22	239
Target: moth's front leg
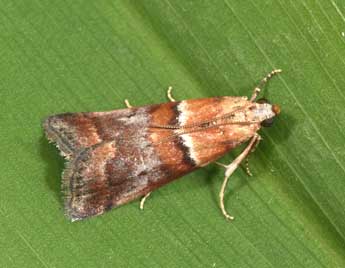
229	169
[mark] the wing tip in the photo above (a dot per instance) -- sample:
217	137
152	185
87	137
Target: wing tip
55	133
77	198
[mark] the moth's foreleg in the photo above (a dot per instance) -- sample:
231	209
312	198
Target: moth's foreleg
229	169
170	97
257	89
143	199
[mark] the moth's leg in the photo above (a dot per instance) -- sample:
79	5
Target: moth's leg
128	104
142	201
247	158
257	89
170	97
229	169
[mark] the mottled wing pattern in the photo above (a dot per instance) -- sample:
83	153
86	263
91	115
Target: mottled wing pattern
111	159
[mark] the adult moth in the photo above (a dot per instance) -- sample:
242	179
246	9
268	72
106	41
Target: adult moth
118	156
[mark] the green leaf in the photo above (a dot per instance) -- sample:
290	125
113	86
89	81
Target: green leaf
69	56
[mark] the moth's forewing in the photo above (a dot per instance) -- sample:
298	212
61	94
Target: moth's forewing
118	156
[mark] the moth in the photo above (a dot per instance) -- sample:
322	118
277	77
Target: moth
118	156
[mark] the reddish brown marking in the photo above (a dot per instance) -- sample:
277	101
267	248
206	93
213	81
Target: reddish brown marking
202	109
170	150
212	140
163	114
85	130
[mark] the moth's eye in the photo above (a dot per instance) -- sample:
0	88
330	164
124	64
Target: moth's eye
263	100
268	122
276	109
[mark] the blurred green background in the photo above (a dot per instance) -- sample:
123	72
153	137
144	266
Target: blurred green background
69	56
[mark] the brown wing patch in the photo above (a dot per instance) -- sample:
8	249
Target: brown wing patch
105	176
75	131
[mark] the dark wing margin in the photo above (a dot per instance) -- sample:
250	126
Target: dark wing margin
85	182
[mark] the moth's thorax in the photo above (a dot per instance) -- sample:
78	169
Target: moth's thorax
204	129
259	112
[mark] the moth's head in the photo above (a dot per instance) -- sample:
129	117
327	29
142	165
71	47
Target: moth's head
269	110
